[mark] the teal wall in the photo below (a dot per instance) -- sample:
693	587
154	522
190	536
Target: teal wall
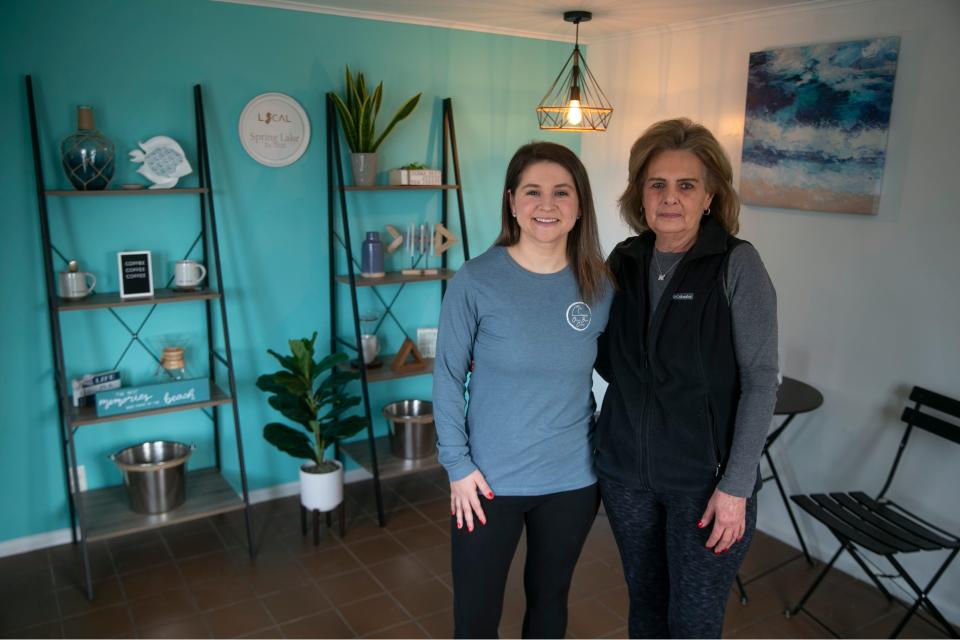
136	63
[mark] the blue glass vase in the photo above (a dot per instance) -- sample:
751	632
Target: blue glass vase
87	155
371	256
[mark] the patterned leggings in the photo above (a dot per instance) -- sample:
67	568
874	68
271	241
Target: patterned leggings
678	588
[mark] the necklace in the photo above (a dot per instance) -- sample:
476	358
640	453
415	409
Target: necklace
661	274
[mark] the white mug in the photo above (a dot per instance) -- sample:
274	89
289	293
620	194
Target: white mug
371	347
188	273
73	284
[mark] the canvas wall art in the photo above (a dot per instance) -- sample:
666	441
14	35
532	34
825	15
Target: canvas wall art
815	131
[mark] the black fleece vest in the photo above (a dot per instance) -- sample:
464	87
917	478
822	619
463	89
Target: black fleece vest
667	418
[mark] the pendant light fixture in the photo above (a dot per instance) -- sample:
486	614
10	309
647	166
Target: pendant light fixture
575	101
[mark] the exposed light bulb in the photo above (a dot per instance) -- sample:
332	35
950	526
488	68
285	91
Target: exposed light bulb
574	114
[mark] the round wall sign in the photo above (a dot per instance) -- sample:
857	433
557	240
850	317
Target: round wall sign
274	129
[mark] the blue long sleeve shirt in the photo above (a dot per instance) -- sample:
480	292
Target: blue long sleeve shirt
523	417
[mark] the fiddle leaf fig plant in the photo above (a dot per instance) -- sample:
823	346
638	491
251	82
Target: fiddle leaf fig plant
317	406
358	110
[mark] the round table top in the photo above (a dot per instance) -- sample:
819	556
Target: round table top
796	397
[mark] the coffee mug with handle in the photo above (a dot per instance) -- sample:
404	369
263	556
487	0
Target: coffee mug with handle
74	284
188	274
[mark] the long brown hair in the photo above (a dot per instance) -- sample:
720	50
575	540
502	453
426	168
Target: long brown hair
681	134
583	242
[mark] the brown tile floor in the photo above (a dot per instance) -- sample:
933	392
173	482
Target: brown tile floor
197	581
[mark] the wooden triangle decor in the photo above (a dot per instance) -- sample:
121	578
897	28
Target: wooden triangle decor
408	350
442	239
396	241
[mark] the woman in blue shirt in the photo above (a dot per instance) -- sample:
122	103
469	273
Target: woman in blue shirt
523	320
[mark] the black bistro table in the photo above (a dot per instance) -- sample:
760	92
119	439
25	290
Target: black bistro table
793	398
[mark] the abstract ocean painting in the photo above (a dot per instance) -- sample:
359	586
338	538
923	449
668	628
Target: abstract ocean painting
815	131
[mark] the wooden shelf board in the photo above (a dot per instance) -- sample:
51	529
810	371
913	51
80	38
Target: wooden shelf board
160	296
126	192
388	464
384	372
404	187
82	416
395	277
107	511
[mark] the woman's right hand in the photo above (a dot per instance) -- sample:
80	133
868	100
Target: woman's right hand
464	501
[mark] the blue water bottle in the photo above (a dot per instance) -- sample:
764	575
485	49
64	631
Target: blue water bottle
371	256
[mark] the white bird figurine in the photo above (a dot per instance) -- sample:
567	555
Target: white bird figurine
164	162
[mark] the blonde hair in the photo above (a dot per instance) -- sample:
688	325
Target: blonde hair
681	134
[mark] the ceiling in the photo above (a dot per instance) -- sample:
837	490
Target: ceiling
544	18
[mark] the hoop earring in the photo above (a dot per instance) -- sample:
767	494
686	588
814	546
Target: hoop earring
706	211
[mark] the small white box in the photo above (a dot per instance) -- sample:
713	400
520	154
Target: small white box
419	177
423	176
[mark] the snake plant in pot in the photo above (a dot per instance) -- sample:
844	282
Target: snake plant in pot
319	407
358	110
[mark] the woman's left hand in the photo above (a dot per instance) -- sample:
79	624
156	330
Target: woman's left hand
728	514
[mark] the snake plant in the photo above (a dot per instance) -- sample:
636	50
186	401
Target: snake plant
358	113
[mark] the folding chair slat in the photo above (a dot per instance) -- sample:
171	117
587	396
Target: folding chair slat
931	424
891	505
936	401
861	525
841	527
903	521
899	532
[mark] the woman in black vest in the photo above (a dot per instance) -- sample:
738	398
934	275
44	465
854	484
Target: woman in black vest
690	353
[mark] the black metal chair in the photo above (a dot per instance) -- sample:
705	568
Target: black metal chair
880	525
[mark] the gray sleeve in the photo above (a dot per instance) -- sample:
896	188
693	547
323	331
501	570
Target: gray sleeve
455	336
753	306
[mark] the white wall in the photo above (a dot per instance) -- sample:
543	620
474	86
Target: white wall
868	305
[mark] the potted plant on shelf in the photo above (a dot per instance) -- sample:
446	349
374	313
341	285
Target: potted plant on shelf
318	407
358	111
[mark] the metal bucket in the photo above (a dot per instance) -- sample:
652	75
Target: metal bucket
412	432
154	474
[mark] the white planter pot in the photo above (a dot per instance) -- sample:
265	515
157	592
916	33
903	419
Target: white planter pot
322	491
363	167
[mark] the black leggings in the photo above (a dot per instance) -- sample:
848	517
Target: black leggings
557	525
678	588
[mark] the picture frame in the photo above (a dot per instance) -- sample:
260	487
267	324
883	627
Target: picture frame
825	154
274	129
135	271
427	341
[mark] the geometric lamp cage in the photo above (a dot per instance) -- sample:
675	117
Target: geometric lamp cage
575	102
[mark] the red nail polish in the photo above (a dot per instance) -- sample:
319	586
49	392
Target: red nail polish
470	529
717	552
459	525
490	494
700	524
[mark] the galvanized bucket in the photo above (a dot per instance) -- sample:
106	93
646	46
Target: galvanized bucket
412	432
154	474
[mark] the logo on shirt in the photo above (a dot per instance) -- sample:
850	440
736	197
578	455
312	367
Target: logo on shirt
683	296
579	315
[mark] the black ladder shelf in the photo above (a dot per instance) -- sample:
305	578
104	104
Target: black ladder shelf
103	513
374	455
